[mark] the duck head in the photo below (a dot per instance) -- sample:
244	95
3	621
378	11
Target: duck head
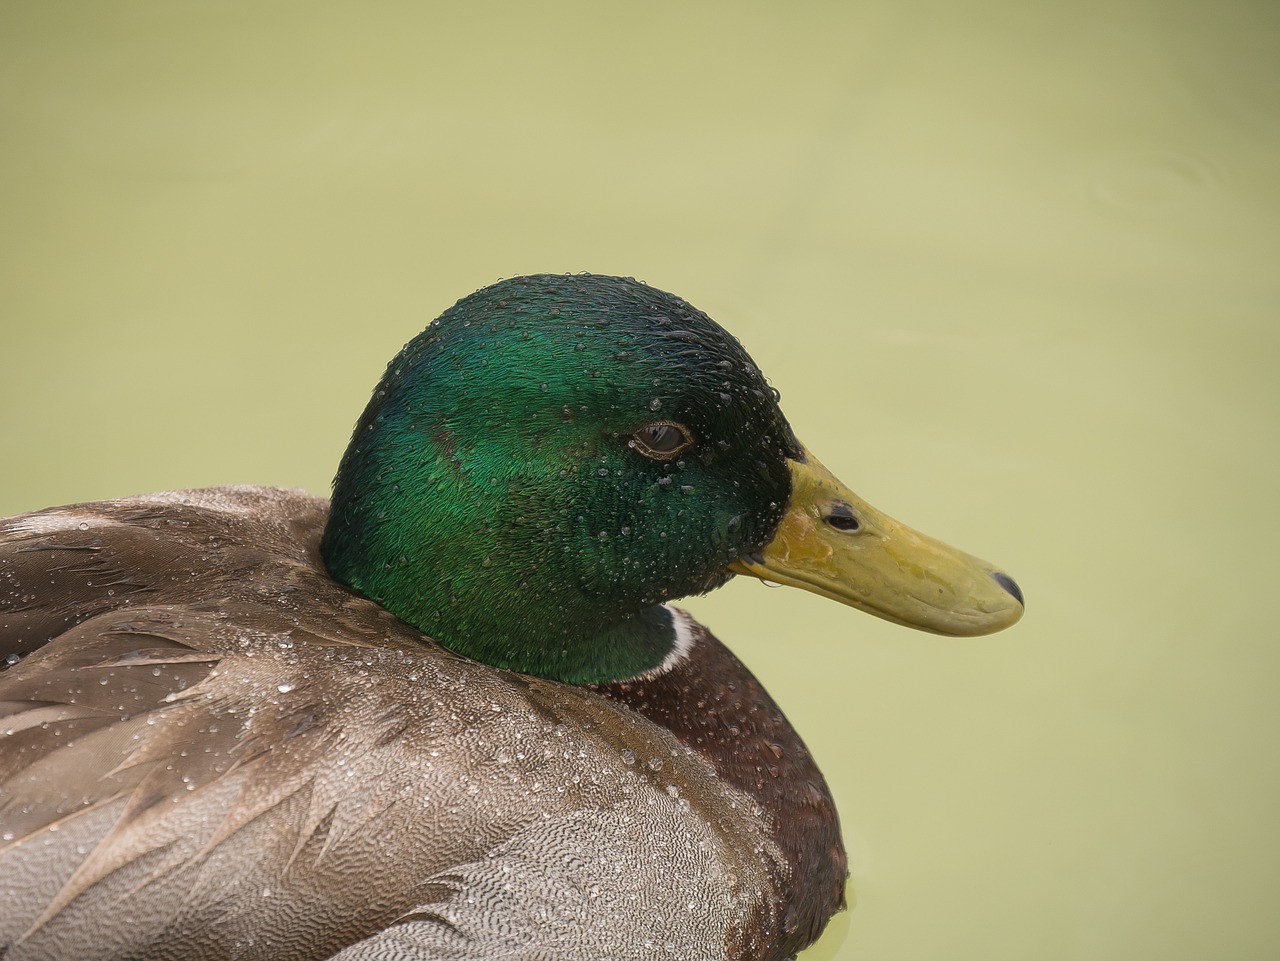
556	456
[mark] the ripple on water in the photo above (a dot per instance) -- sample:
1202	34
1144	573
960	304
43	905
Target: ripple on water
1147	181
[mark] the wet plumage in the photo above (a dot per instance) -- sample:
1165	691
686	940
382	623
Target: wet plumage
217	740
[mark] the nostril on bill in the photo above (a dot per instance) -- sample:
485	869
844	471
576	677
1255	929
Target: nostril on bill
841	517
1010	585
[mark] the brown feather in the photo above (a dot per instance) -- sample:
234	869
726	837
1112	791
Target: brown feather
208	749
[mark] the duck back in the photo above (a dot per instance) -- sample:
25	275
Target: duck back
210	749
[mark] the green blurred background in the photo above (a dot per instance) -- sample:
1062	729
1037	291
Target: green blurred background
1014	267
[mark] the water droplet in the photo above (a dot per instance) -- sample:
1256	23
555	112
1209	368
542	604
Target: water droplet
655	404
628	756
84	525
655	764
284	688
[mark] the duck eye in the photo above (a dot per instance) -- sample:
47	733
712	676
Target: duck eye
661	441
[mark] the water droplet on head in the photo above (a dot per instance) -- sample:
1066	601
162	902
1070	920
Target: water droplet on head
655	404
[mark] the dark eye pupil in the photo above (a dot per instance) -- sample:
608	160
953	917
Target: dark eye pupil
662	438
661	441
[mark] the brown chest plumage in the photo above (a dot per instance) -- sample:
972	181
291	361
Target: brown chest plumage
208	749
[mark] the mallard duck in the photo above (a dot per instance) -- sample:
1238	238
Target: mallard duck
450	713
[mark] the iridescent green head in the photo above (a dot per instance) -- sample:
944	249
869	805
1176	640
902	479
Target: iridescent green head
556	456
549	460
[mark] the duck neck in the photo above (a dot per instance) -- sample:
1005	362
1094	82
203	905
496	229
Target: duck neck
483	596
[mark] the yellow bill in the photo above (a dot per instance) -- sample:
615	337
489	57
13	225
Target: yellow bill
833	543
